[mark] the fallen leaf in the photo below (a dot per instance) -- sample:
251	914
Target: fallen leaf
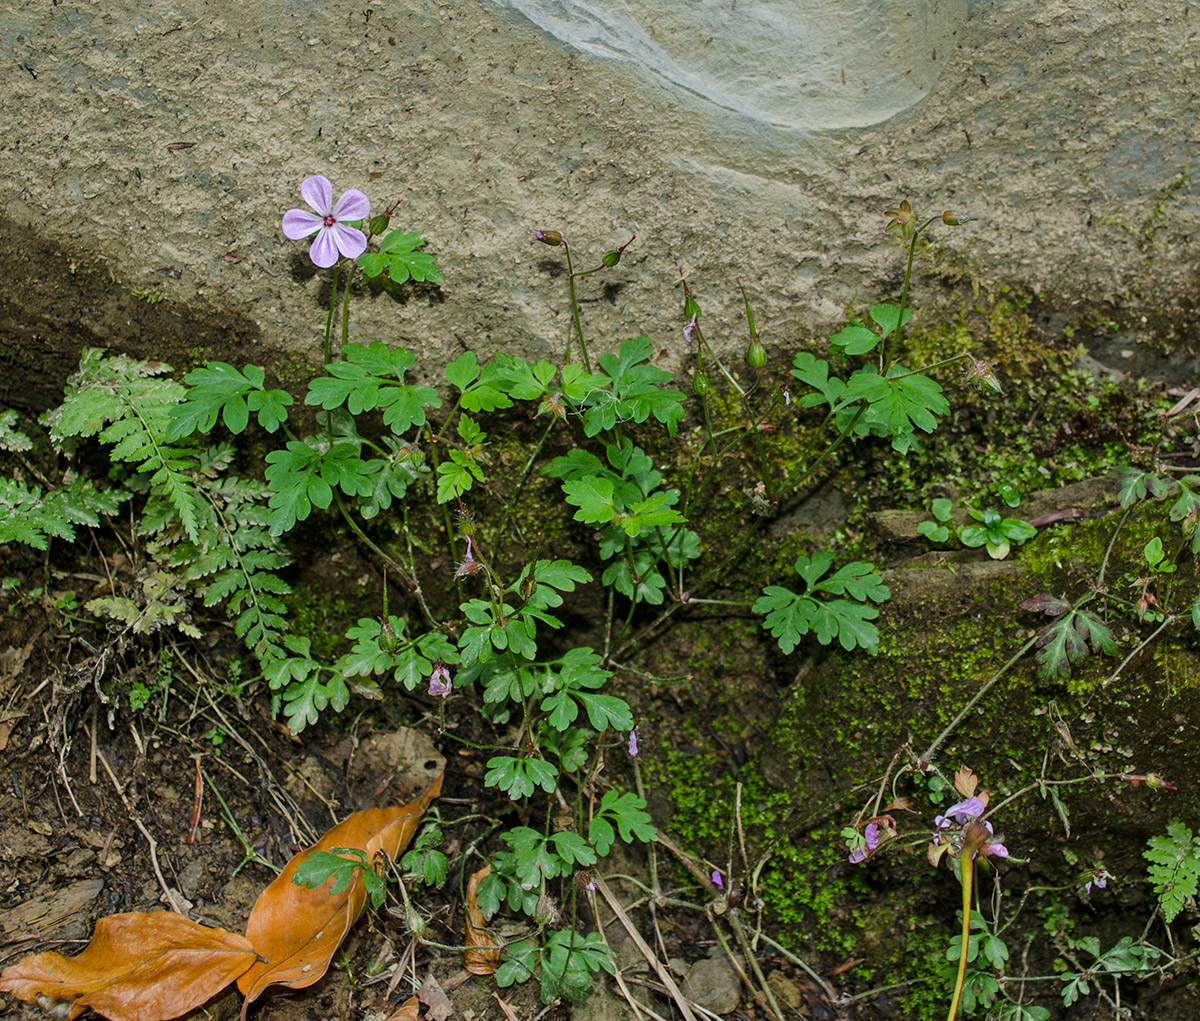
138	967
481	956
434	997
296	930
409	1010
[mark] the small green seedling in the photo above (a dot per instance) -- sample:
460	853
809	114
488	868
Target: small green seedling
996	533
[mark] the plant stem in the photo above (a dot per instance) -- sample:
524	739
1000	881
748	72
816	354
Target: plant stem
575	311
967	867
988	685
329	319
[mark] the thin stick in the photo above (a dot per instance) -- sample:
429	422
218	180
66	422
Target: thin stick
651	958
172	897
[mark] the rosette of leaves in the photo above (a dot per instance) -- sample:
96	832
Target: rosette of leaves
994	532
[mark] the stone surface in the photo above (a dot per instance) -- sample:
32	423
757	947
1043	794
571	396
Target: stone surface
713	983
169	140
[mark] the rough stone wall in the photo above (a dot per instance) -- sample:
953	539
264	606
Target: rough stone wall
168	138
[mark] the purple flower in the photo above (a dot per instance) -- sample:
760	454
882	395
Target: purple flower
871	838
1099	880
633	748
328	222
717	881
689	331
972	808
439	681
469	565
591	886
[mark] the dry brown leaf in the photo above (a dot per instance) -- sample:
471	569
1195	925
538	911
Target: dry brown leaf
435	999
297	930
138	967
481	956
409	1010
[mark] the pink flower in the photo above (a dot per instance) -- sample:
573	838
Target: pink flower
328	222
717	881
870	842
469	565
439	681
633	748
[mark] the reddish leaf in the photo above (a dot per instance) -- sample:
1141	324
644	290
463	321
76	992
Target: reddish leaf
481	956
297	930
1045	603
138	967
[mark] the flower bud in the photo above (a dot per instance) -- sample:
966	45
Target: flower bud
701	384
610	259
548	237
756	354
953	219
379	223
416	924
389	641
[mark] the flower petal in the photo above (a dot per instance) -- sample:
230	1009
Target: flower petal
318	193
324	250
996	850
300	223
353	205
350	241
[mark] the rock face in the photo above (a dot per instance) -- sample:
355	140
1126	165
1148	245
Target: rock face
756	138
773	62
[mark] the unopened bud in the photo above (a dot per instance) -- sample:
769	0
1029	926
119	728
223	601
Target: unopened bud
548	237
756	354
389	641
610	259
546	911
953	219
416	924
701	384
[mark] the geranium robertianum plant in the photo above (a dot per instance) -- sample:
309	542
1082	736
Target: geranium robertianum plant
486	618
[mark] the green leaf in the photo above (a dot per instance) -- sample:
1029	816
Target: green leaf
898	404
636	391
399	258
789	616
887	316
815	373
303	476
343	865
219	389
518	962
372	377
594	498
1065	642
627	813
1174	868
933	532
520	777
855	339
1136	485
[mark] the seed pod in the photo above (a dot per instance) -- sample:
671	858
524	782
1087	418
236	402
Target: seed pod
701	384
756	354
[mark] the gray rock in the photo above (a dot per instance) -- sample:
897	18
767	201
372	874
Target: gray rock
713	983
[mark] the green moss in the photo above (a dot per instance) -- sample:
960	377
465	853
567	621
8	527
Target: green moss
799	893
321	619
